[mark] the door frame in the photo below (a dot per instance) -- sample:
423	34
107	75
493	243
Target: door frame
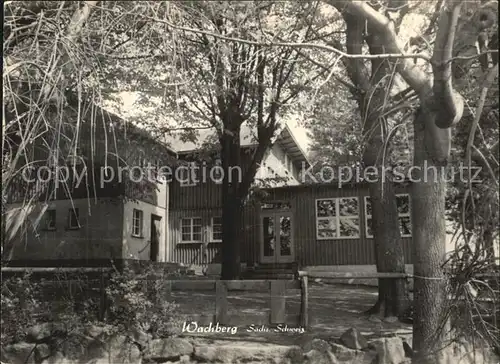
277	257
159	219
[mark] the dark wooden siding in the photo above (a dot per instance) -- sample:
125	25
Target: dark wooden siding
192	253
206	193
311	251
99	237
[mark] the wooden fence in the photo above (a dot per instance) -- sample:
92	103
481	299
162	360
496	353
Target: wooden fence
304	279
277	290
97	280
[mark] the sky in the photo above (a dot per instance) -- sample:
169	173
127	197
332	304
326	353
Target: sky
129	108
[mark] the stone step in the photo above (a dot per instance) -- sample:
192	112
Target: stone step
253	275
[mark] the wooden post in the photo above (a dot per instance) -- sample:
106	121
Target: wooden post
221	302
278	302
304	306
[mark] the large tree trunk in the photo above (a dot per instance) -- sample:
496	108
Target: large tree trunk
232	215
232	205
371	93
429	235
393	298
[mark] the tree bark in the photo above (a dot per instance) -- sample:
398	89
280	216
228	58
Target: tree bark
393	297
232	204
429	235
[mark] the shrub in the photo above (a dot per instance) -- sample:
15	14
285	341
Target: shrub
133	301
139	301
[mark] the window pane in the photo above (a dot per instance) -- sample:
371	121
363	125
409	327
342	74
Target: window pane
403	203
285	235
277	206
197	229
325	208
186	230
405	225
197	222
186	223
369	227
197	236
186	237
368	205
137	222
269	236
327	228
348	206
217	228
349	227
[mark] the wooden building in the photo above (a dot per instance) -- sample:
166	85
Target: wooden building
303	225
295	224
323	225
104	209
196	206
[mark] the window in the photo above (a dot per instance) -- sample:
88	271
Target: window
73	216
337	218
404	213
50	220
137	223
155	170
187	175
191	229
403	205
277	205
216	228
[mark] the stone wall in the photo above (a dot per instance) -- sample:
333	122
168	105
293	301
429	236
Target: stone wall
54	343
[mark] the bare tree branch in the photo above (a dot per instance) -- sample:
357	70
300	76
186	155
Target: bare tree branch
451	104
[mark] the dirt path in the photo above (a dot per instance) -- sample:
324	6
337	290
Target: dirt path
332	310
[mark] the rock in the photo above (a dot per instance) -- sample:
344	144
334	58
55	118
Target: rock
247	352
185	359
140	337
74	347
115	349
295	355
391	319
58	358
316	357
41	332
169	348
95	331
42	351
350	356
344	354
353	339
317	344
19	353
389	350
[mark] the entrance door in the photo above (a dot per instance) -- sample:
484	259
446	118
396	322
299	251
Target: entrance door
276	237
155	237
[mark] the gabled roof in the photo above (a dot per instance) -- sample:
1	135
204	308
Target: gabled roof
248	138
